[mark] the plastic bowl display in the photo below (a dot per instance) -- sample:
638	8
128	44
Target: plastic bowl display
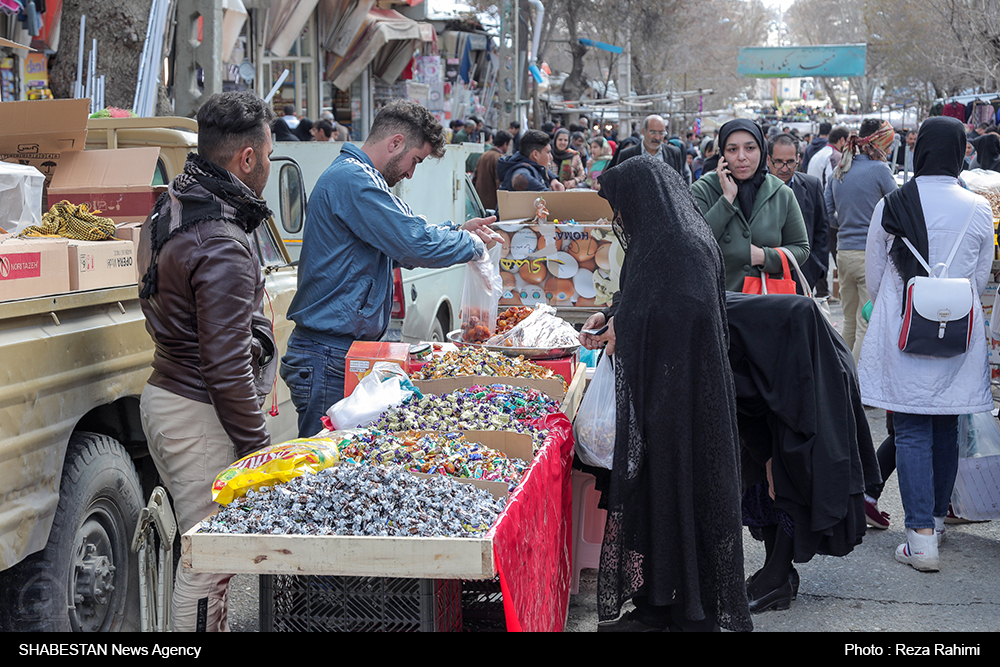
527	352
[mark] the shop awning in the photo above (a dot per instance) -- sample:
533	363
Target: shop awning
286	20
387	40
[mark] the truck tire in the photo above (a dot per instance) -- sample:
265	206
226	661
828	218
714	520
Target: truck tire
437	331
86	578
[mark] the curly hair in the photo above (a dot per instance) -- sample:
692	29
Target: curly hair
412	121
228	122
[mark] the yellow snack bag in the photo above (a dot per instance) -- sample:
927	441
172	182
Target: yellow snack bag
273	465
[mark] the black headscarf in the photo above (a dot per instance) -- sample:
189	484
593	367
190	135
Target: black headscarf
987	151
282	132
939	151
674	520
302	130
748	188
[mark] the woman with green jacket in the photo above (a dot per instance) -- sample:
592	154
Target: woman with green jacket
750	211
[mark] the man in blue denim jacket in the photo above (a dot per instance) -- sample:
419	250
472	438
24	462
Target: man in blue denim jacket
356	232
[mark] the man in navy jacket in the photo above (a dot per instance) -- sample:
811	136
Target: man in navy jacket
528	168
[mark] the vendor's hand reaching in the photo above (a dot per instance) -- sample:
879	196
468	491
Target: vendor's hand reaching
481	227
591	342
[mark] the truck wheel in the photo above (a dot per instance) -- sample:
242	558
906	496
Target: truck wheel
86	578
437	331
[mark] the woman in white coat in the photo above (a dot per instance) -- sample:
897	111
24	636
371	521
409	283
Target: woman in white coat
926	394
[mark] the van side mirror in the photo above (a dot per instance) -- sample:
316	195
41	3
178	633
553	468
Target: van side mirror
291	198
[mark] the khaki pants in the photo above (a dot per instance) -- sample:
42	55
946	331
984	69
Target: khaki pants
189	447
853	297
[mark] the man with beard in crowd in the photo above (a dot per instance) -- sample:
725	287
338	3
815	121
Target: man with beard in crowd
654	142
356	232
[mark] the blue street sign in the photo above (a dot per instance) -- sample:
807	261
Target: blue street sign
794	61
601	45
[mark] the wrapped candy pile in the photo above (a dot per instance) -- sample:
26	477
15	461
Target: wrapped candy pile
361	500
480	361
495	407
446	453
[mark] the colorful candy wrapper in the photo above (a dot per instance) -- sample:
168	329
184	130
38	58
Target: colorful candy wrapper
275	464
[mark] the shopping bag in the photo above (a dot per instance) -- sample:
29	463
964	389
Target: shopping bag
976	495
763	285
481	296
594	427
385	387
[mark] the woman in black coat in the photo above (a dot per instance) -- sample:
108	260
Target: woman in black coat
673	538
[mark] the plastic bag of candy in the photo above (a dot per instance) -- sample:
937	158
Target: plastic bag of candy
481	296
275	464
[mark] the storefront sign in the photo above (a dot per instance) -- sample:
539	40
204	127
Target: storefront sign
767	62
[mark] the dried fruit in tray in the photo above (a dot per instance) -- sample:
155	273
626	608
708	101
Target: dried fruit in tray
542	328
510	318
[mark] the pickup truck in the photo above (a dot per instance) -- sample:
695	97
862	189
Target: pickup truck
425	301
74	466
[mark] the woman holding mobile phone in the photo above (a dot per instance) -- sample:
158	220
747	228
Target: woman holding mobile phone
750	211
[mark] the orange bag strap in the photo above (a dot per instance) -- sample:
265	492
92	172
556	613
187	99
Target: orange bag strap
786	273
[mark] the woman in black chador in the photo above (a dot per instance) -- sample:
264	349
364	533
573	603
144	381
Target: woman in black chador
673	540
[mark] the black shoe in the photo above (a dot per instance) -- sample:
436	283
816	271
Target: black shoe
793	579
628	623
779	599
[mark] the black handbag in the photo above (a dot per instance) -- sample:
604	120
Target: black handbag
937	319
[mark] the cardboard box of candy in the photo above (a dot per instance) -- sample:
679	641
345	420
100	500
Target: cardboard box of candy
561	264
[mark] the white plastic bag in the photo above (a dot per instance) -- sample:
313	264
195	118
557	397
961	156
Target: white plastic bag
377	392
594	427
976	495
20	197
481	296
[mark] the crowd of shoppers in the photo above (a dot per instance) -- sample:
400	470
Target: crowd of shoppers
841	198
732	409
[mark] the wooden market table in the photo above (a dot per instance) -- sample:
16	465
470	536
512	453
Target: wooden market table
528	546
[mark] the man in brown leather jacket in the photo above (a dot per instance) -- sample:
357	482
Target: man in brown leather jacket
202	295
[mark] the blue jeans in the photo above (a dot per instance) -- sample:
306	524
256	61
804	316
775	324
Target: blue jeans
314	374
926	465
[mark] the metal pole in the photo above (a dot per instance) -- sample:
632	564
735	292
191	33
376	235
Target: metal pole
274	88
78	85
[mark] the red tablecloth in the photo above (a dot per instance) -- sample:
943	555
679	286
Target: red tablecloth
533	538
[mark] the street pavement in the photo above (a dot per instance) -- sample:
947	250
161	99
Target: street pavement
865	591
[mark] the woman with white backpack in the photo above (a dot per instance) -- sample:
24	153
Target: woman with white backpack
925	356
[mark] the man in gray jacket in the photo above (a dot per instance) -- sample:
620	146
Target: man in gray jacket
858	184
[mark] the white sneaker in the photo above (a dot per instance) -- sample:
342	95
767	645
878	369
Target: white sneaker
920	551
939	529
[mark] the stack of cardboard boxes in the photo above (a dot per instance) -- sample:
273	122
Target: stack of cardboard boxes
564	265
50	135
